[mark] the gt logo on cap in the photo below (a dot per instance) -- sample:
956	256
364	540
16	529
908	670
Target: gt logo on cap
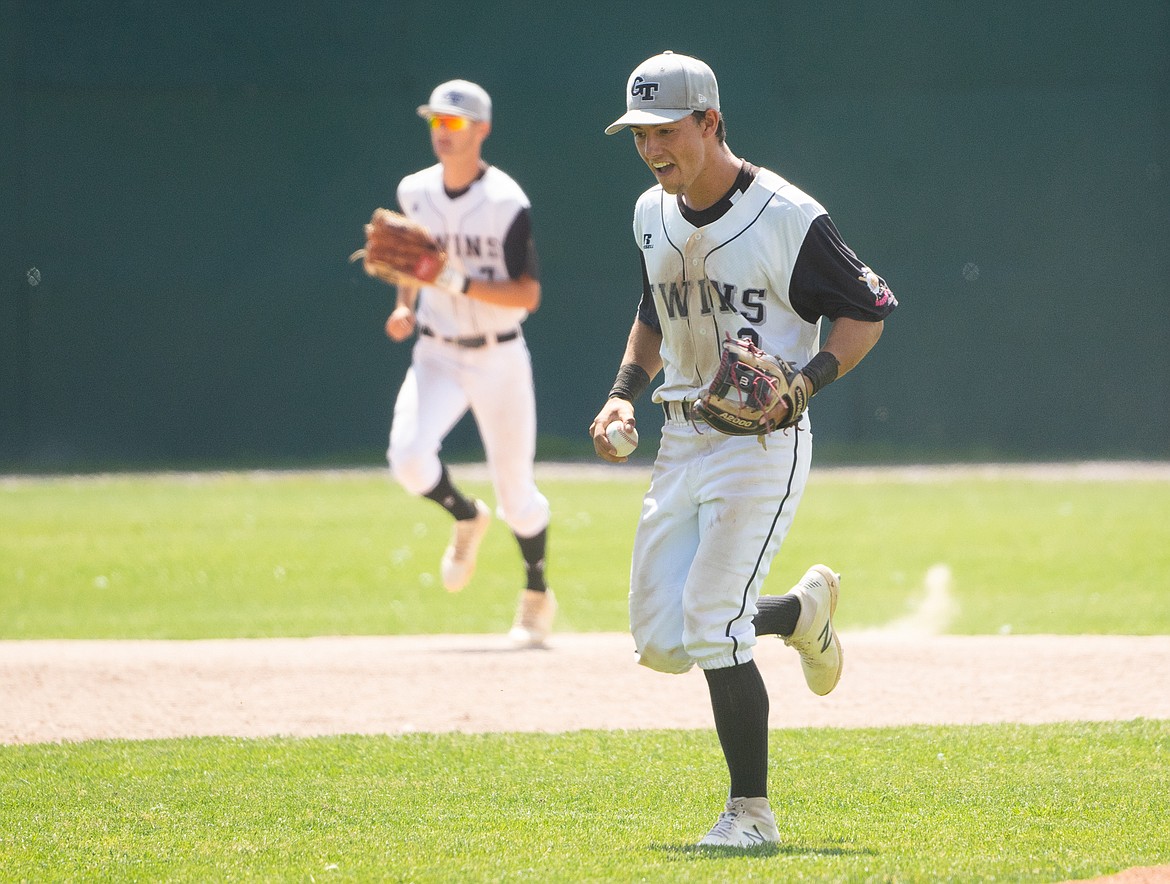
644	90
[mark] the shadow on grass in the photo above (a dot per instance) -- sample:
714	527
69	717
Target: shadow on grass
683	851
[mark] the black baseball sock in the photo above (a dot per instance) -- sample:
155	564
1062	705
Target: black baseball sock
739	700
449	498
533	548
776	614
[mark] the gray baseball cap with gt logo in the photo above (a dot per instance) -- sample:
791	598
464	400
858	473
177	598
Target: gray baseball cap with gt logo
666	88
458	98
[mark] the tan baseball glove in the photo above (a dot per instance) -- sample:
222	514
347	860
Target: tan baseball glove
748	387
403	252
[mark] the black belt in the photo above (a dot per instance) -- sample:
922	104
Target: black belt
677	411
472	342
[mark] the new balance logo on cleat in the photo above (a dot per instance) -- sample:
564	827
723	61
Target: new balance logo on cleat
814	638
826	636
745	822
755	836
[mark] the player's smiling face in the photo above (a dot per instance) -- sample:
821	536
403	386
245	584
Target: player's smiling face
676	153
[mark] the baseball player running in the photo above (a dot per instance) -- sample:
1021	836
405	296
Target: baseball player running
470	351
729	250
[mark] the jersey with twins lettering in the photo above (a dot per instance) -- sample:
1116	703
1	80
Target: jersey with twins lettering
487	232
765	263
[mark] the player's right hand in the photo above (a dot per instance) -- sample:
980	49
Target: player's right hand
616	409
400	324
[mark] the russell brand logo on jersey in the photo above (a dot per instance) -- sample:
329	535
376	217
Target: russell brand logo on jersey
646	244
643	89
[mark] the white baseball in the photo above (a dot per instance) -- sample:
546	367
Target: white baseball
623	440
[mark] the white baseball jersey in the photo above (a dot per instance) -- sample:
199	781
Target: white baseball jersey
768	268
766	263
473	227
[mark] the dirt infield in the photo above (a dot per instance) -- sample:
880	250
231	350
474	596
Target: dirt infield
84	690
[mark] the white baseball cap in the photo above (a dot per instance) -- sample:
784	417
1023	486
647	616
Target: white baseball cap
458	98
666	88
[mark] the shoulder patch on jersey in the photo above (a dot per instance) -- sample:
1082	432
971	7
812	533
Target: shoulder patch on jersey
878	288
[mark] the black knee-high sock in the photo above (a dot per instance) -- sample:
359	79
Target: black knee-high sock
449	497
533	549
739	700
776	614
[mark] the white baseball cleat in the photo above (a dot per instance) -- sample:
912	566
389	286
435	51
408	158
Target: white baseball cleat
459	558
814	637
747	822
534	618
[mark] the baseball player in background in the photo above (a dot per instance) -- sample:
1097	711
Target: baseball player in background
470	351
729	250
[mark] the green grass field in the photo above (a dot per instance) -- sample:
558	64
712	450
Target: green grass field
239	555
914	804
297	554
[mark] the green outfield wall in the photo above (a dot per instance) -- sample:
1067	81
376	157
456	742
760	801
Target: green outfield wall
181	185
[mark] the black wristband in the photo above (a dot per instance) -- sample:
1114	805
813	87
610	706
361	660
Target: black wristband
630	383
821	371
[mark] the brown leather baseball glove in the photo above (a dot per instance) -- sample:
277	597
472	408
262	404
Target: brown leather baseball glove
401	251
746	390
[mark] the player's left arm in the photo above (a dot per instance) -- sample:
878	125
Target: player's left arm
849	340
830	280
523	292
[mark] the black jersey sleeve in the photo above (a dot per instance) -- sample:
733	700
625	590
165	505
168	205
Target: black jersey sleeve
828	279
647	311
520	247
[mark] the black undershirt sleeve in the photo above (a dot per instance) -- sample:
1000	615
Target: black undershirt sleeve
520	247
829	279
647	311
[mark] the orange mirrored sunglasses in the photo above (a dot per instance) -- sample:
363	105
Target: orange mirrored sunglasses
451	124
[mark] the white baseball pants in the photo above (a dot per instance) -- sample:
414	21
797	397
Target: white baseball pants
495	382
715	515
